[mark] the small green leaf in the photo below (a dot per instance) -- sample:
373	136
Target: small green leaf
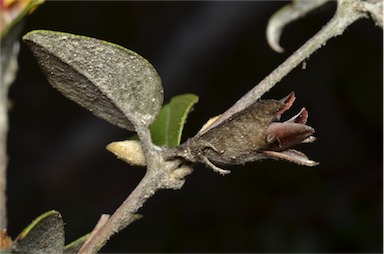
44	235
76	245
112	82
168	126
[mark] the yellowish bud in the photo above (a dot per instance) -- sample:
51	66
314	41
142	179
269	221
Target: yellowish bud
129	151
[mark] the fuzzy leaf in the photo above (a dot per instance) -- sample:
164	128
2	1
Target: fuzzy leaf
168	126
44	235
112	82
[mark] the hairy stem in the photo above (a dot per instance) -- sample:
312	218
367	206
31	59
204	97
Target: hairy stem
158	176
123	216
8	69
3	159
348	11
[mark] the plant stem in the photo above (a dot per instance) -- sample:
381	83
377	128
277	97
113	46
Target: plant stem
8	68
347	12
125	213
9	50
158	176
3	159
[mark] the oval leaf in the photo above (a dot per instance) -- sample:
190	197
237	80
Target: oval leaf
44	235
114	83
168	126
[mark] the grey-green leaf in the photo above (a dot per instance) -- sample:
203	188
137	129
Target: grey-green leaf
114	83
44	235
168	126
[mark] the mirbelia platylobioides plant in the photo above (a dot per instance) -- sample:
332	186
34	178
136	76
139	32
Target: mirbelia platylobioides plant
123	88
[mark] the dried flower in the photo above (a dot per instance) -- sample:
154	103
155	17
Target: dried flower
250	135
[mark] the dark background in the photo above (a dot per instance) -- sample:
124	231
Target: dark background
218	51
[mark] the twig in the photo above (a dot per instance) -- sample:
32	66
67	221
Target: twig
126	213
159	176
348	11
103	219
8	69
3	160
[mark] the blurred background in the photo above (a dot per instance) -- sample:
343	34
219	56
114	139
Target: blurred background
218	51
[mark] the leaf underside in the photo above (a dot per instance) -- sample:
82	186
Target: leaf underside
44	235
112	82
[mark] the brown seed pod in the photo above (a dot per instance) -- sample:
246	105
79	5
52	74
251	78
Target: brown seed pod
250	135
